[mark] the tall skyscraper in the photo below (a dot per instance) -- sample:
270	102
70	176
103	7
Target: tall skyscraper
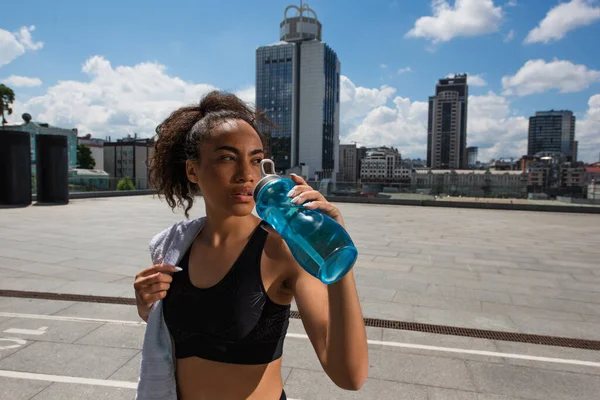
552	131
298	87
349	163
447	124
472	153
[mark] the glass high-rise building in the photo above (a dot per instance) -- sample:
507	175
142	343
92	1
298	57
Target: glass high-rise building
447	124
552	132
298	87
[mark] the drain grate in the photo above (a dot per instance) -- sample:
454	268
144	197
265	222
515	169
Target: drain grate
371	322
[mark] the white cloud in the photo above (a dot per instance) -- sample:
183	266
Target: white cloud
357	101
114	101
383	66
13	45
509	36
491	127
404	70
562	19
473	79
248	94
465	18
24	37
403	124
22	81
538	76
511	3
587	131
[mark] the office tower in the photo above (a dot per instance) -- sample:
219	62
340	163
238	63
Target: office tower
349	163
472	153
298	87
447	124
552	132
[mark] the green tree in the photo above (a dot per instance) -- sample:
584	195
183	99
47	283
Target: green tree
125	184
7	97
84	157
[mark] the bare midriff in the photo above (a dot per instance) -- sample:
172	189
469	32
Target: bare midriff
200	379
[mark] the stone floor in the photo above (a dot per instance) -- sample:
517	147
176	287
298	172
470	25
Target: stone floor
500	270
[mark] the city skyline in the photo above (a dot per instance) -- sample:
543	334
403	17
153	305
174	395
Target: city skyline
117	81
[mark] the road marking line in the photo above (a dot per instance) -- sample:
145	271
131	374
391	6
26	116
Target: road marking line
19	343
70	319
375	342
475	352
37	332
70	379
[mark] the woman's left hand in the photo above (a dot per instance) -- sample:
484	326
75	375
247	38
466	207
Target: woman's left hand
312	199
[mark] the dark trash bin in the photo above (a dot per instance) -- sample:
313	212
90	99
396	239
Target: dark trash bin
52	169
15	168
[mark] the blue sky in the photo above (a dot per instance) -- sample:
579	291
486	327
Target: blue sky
174	53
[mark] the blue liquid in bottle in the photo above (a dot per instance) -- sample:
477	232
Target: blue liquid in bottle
318	243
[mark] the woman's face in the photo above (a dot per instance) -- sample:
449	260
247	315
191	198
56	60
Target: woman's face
229	168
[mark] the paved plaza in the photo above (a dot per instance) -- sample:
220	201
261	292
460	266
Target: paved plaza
509	271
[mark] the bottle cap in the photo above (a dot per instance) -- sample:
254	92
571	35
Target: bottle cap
266	177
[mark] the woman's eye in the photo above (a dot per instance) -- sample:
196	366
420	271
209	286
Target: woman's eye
228	158
258	160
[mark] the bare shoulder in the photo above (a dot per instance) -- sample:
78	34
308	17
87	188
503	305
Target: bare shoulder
276	249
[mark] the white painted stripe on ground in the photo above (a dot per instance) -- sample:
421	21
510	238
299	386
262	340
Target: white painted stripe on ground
36	332
375	342
71	379
475	352
71	319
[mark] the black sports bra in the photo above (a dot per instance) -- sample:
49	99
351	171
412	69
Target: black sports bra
233	321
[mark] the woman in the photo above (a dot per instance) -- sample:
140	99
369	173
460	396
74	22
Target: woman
227	302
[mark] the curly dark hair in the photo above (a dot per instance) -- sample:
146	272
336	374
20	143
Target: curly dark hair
179	139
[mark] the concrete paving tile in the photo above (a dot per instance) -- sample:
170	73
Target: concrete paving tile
587	278
5	341
448	341
397	266
375	293
519	280
556	304
551	352
113	335
130	372
93	288
20	389
83	392
533	383
588	287
39	284
76	275
483	261
446	272
41	269
419	369
9	263
407	259
9	273
472	294
535	274
298	353
392	283
467	267
285	373
464	319
591	318
451	394
386	310
433	301
505	309
68	359
56	331
102	311
322	388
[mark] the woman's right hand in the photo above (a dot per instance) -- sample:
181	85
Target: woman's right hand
151	285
